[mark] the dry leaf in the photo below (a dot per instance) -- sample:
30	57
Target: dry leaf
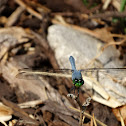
104	34
5	112
121	111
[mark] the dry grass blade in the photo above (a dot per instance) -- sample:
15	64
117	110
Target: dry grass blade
91	122
30	104
3	123
122	121
89	116
106	4
94	120
81	120
114	43
14	16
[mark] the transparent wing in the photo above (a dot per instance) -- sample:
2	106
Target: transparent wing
35	74
106	81
115	73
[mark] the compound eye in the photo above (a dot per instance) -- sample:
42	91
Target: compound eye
76	80
81	81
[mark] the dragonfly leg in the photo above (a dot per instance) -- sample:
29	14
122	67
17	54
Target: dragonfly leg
78	92
73	88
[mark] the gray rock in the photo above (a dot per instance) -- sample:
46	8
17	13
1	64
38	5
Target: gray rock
66	41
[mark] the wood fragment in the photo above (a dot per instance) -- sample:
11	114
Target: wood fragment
5	112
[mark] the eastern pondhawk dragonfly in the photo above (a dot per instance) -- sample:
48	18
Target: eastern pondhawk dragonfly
76	74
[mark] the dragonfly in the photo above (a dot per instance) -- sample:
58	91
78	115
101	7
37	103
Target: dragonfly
77	78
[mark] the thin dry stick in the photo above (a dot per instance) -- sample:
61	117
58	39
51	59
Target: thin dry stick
40	7
4	123
41	119
30	104
122	121
94	120
81	110
14	16
81	116
85	30
109	14
103	48
82	107
114	43
118	35
29	9
89	116
106	4
91	122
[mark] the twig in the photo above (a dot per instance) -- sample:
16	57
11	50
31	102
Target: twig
30	104
94	120
122	121
114	43
81	111
89	116
106	4
82	107
85	30
109	14
29	9
14	16
81	116
4	123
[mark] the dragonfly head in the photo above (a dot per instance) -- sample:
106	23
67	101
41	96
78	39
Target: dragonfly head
78	82
77	78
